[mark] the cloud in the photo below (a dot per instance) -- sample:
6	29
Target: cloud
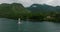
54	3
25	2
30	2
5	1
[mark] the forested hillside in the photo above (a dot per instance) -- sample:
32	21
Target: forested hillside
14	10
34	12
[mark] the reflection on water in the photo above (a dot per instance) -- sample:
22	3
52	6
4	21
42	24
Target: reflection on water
8	25
40	27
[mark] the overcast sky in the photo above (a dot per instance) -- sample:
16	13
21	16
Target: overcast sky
30	2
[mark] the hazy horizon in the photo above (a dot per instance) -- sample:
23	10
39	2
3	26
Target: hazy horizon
27	3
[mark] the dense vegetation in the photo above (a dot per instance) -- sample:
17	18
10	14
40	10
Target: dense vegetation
34	12
13	11
45	12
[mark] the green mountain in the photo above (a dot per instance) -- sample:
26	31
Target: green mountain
14	10
45	12
43	8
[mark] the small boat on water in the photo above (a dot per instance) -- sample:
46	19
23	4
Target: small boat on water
19	21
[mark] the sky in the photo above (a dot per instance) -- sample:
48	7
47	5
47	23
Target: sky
27	3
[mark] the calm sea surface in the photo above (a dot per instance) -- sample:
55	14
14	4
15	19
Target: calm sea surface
8	25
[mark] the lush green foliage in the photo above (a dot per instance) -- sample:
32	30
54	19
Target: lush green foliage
13	11
35	12
45	12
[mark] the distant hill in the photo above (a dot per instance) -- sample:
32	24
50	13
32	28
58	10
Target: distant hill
14	10
43	8
34	12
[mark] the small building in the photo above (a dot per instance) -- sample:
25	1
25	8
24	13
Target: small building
48	17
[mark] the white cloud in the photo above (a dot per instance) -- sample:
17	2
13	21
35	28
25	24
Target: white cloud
5	1
30	2
25	2
54	3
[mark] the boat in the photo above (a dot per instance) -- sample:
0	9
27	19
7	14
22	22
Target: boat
19	21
